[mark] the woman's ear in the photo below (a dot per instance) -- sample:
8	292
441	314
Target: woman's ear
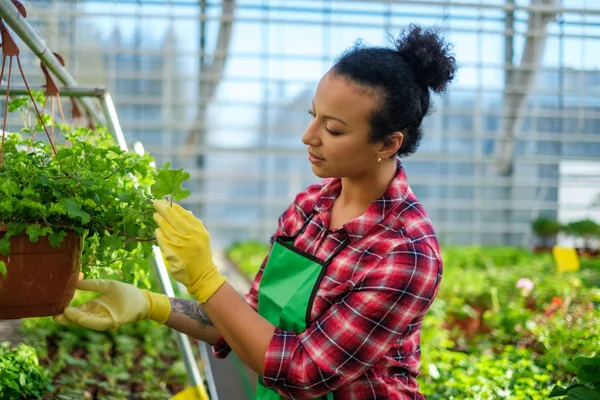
391	145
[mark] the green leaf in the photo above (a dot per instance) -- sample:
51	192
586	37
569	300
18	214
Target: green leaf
5	245
57	209
32	205
2	268
17	103
113	242
587	368
35	231
28	192
131	246
132	229
73	209
582	393
44	180
168	182
126	197
6	206
90	202
558	391
56	238
9	188
588	373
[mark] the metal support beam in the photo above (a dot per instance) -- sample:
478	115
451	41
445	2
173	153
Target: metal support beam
182	340
77	92
112	120
514	102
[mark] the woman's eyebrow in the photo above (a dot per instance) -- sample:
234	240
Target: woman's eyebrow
330	117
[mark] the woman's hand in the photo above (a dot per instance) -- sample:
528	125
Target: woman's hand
185	244
118	304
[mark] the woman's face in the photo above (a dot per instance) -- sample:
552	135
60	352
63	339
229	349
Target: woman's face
337	135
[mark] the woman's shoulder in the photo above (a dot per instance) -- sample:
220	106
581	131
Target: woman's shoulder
417	227
406	226
301	208
307	198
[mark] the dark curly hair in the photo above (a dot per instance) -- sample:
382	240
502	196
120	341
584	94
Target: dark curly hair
402	77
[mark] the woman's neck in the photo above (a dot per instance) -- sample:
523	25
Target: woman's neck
361	191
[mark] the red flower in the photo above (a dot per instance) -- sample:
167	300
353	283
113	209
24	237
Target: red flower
557	301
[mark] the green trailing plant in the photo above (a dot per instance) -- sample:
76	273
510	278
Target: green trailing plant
82	182
21	376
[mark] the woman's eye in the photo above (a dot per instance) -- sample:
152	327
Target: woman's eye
333	133
313	116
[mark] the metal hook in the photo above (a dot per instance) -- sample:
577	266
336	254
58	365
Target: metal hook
76	112
20	7
51	86
9	47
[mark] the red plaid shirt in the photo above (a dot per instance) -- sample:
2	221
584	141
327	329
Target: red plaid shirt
364	338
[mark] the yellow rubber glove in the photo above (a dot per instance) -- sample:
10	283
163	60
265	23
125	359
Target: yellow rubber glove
118	304
185	244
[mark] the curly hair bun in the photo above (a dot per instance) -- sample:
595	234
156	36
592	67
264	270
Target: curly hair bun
428	55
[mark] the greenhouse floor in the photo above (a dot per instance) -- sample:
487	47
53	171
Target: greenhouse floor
9	331
233	379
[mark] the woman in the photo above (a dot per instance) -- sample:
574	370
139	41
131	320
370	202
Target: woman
336	309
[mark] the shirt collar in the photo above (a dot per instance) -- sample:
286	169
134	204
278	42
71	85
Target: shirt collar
358	227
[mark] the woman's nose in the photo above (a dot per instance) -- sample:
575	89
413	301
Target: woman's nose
310	137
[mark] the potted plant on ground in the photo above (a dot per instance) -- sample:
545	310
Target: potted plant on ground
587	230
546	230
76	201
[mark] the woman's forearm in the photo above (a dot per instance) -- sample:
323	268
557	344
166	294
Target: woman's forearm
188	317
247	333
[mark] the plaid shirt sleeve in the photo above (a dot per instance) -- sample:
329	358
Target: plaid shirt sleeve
387	303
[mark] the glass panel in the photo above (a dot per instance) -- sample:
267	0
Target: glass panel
250	100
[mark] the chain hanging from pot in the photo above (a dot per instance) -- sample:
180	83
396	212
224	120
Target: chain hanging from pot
52	92
10	50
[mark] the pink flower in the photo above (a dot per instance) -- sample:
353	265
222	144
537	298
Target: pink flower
525	284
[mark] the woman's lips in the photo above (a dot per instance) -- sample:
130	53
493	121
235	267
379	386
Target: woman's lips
314	159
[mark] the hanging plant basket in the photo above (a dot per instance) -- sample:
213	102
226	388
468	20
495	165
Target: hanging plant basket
40	279
70	198
78	203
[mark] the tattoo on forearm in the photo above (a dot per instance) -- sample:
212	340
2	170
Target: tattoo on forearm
192	310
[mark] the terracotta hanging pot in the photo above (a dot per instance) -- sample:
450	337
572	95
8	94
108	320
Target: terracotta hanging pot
40	279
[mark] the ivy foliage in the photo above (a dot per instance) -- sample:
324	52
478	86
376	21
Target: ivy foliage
86	184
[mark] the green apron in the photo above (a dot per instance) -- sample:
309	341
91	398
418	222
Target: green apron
287	288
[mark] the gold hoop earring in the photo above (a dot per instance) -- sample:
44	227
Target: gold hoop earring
379	161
